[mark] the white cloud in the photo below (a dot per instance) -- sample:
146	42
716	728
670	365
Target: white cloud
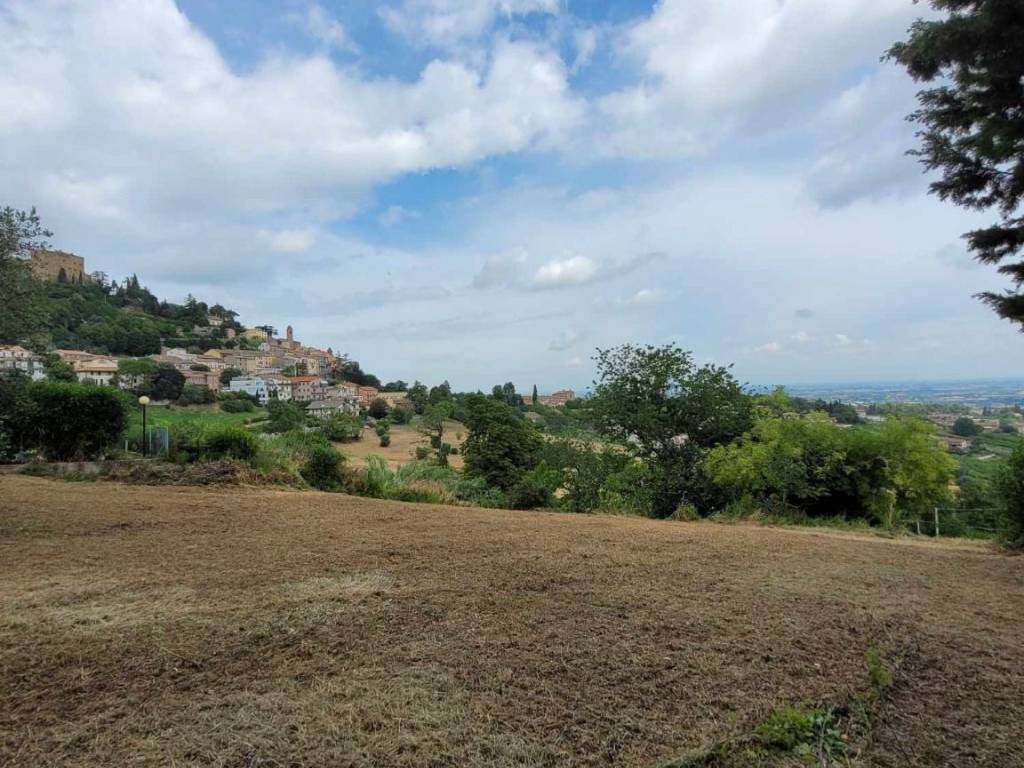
134	91
447	23
709	67
327	29
575	270
289	240
801	337
769	348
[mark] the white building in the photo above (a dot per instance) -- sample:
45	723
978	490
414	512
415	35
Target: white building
99	371
251	385
20	359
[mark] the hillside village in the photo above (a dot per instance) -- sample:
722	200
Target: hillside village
225	357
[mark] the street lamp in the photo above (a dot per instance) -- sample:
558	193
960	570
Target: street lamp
144	401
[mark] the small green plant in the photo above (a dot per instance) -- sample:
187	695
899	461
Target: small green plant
803	732
879	676
422	452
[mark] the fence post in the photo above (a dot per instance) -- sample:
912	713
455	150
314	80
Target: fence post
936	522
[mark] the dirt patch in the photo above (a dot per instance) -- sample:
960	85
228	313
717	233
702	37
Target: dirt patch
233	626
405	439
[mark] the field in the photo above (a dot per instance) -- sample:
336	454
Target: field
236	627
404	441
164	416
987	456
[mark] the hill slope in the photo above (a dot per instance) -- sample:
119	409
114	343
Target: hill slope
251	627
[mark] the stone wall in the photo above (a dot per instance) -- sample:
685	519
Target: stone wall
59	266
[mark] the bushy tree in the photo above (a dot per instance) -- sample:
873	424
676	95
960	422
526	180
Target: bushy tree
972	123
501	445
21	296
965	426
440	394
284	416
418	396
379	408
322	468
1010	487
228	374
342	428
71	421
806	465
192	394
167	383
662	408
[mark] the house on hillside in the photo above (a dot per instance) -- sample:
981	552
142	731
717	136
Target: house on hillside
308	388
557	399
100	371
208	379
324	409
24	361
250	385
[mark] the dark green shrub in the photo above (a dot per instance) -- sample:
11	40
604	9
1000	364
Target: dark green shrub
342	428
197	442
385	440
323	468
422	452
534	489
72	421
195	395
1011	490
284	416
236	405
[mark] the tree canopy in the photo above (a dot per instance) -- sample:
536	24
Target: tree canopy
664	408
973	124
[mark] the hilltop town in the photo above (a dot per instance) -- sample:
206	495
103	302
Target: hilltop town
215	355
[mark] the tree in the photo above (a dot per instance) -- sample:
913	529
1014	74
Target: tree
72	422
21	233
378	408
965	426
534	398
21	295
665	410
973	124
285	415
167	383
1010	487
418	396
395	386
431	424
58	370
440	393
228	374
501	445
506	393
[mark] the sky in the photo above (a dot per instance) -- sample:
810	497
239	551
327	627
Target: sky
488	190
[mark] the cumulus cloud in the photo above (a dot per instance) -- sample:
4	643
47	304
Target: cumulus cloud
769	348
160	111
575	270
710	66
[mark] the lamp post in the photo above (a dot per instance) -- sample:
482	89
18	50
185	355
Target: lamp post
144	401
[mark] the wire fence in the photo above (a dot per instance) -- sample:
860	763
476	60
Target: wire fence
956	521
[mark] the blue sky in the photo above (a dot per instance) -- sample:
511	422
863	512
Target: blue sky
487	190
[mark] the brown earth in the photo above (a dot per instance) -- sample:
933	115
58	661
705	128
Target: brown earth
236	627
404	441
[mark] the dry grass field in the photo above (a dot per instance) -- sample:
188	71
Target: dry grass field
404	441
234	627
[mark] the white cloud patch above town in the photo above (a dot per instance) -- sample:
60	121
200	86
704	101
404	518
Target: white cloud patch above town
485	190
